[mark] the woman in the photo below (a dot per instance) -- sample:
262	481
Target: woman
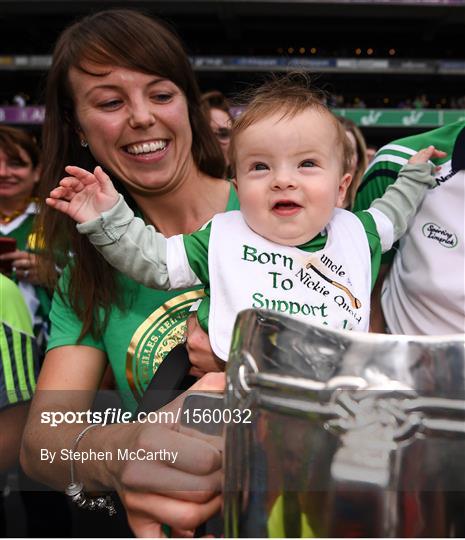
19	177
121	93
220	118
359	159
18	370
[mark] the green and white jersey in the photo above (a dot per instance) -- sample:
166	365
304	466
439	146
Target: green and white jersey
326	281
424	292
18	352
37	298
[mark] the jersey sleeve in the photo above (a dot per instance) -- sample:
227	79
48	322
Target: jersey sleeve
382	172
180	271
18	365
65	324
19	359
196	246
194	256
374	242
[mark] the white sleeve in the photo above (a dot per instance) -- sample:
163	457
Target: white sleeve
179	272
385	228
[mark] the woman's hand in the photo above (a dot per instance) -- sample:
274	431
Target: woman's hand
181	493
25	265
201	356
83	196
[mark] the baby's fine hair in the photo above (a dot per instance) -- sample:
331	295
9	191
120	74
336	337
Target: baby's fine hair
290	94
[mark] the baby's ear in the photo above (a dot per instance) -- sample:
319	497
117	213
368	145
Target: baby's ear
343	187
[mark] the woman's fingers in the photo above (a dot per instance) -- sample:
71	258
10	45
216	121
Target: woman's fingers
214	382
24	261
180	533
19	256
11	256
147	510
175	468
144	526
24	264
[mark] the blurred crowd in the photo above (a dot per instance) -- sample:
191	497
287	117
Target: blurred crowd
80	324
336	100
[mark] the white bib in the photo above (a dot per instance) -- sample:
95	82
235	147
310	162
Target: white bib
329	287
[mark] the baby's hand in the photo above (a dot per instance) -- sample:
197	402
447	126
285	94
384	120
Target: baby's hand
83	196
423	156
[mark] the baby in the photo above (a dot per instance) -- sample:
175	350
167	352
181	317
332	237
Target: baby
291	248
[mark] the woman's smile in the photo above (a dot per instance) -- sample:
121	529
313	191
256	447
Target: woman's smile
148	151
136	125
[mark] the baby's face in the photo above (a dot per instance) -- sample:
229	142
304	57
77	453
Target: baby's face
289	175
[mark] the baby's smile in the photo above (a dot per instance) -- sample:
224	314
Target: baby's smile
286	207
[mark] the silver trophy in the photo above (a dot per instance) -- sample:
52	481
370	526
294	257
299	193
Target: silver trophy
343	434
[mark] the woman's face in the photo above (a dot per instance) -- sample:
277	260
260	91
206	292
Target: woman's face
17	176
220	122
137	126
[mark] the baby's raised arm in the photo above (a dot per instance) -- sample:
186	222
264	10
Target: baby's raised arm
101	213
402	199
83	196
125	241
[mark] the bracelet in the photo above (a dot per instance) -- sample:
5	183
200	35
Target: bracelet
75	490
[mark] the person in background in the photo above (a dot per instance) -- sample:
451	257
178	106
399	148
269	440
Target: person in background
121	93
359	158
19	363
421	287
20	171
371	152
220	118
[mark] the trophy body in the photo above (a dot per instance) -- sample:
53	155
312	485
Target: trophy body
343	434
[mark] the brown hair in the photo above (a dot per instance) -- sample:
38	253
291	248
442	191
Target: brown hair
134	41
290	94
11	138
214	99
362	160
